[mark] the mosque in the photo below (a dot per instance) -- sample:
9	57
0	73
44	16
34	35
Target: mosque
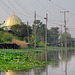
12	20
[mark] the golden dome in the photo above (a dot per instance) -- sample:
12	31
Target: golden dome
12	20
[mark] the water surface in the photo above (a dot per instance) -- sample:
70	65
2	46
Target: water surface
65	64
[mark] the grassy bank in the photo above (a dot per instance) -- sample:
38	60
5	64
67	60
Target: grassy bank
55	48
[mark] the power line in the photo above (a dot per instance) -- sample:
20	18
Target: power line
49	19
14	7
9	8
61	7
21	5
57	5
44	7
18	10
5	5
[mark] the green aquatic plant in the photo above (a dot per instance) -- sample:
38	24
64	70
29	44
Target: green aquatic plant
17	61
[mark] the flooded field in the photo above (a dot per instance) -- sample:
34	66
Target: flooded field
64	64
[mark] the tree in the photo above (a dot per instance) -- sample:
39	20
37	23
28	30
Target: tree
1	28
2	23
40	31
68	37
20	31
53	35
5	37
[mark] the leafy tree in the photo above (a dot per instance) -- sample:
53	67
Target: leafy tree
40	31
68	37
2	40
5	37
1	37
53	35
1	28
2	23
20	30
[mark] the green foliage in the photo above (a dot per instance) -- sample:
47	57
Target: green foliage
68	37
40	30
1	40
20	30
41	43
38	42
53	35
32	39
1	37
1	29
5	36
17	61
2	23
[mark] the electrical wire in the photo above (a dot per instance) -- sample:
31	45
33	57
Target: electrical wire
9	8
57	5
5	4
61	7
16	8
21	5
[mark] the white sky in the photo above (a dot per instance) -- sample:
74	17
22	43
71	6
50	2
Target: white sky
24	9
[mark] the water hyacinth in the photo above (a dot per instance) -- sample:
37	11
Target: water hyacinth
18	60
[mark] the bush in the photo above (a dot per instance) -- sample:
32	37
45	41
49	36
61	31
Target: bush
41	43
7	36
1	40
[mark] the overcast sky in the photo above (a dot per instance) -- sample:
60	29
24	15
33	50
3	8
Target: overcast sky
24	9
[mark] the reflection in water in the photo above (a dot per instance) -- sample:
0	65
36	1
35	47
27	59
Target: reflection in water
46	70
28	72
10	73
46	61
42	56
66	62
61	58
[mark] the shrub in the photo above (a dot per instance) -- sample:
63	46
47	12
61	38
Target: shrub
41	43
7	36
1	40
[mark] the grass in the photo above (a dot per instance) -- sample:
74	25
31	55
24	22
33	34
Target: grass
55	48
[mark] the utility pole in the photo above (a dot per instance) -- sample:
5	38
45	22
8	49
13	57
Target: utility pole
28	30
35	29
65	25
61	40
46	37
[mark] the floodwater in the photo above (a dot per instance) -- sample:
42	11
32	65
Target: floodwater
64	64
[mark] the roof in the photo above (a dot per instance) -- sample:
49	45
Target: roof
12	20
